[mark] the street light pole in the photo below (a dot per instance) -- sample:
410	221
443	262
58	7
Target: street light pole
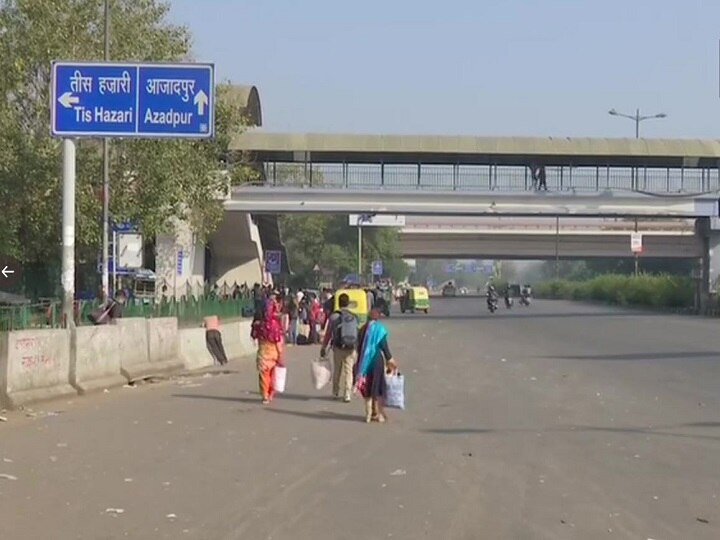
637	118
106	181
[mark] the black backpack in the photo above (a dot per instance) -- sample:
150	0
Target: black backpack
346	331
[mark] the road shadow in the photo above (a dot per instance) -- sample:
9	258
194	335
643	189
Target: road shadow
696	355
319	415
657	431
518	314
255	397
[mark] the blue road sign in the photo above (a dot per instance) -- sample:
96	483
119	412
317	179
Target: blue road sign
474	268
91	99
179	262
377	268
450	268
273	262
124	227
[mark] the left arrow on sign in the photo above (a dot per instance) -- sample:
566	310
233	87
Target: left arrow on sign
67	100
5	272
201	100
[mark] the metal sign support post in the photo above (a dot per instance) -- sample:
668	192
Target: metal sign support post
106	184
359	248
115	263
637	255
68	232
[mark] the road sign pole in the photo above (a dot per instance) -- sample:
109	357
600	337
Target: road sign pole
68	232
115	262
359	248
637	255
106	179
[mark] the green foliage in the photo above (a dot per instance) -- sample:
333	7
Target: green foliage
657	291
152	181
331	243
581	270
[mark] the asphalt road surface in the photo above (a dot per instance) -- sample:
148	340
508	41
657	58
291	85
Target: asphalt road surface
561	421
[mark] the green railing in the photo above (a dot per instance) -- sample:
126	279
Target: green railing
189	312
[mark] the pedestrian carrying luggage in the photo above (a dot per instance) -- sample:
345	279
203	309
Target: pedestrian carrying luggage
347	330
395	385
279	378
321	370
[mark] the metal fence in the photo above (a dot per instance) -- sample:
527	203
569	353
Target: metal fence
491	177
189	311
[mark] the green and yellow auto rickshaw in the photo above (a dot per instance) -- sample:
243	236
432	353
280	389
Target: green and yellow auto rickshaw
415	299
358	302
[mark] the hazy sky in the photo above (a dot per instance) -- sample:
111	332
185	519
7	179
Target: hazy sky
478	67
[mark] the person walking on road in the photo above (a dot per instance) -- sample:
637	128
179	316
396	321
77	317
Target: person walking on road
342	334
542	180
267	330
374	359
293	310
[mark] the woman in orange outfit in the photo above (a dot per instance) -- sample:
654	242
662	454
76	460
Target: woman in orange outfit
267	330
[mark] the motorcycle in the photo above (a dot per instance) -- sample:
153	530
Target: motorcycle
492	304
525	300
508	302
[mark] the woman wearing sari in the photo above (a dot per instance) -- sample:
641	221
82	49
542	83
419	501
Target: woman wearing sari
374	359
267	330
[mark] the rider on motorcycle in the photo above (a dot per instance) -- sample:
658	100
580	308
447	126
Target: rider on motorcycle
525	295
491	294
508	296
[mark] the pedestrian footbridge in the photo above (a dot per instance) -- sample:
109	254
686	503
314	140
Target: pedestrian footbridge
546	238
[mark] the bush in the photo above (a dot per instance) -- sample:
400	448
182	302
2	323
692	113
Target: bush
657	291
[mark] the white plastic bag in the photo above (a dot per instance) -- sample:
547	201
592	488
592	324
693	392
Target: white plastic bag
395	384
279	378
321	370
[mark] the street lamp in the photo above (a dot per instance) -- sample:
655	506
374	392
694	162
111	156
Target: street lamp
362	218
637	118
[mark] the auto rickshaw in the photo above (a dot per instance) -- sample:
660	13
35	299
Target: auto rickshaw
415	299
358	303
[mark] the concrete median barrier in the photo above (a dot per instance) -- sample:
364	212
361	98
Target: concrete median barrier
237	340
150	347
34	366
193	349
95	357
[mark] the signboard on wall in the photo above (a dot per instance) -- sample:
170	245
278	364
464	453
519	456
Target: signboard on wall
376	220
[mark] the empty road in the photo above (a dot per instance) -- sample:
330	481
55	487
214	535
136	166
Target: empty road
561	421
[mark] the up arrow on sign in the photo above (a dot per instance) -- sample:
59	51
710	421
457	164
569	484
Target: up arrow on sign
201	100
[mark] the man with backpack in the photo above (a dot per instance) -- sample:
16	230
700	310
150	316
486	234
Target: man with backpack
342	334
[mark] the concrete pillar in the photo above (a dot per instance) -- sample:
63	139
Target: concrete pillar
236	251
179	262
709	268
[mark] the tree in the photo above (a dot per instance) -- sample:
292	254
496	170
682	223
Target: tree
151	180
330	242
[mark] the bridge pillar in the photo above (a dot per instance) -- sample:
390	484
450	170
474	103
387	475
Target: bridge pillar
179	262
236	252
708	229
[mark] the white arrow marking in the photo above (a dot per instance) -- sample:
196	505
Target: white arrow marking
67	100
201	100
5	271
